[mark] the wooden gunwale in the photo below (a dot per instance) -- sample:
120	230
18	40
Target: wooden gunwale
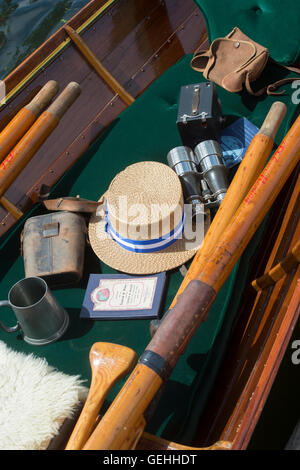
176	30
288	318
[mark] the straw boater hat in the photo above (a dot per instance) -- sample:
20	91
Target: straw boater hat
139	227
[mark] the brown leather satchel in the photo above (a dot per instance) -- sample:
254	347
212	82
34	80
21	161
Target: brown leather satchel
235	61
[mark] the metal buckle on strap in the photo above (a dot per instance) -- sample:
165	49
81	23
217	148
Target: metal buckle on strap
51	230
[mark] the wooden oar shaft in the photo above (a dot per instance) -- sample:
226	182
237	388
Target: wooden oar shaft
24	119
22	153
117	424
249	169
253	209
99	68
193	305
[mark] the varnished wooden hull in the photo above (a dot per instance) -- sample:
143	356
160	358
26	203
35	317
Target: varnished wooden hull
261	334
154	36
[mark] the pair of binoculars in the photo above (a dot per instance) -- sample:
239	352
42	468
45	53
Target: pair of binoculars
202	174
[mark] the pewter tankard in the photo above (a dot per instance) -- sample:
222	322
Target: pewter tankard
40	318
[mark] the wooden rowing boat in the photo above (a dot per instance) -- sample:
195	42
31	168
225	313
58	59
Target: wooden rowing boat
154	35
137	42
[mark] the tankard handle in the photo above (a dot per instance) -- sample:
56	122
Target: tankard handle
5	303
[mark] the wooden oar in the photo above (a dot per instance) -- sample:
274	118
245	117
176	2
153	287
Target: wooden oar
247	173
109	362
26	148
24	119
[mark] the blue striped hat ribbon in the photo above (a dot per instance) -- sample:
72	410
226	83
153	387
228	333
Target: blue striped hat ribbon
145	246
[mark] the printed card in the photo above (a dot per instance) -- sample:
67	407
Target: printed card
121	296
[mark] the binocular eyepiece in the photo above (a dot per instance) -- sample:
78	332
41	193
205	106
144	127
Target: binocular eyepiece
210	164
182	160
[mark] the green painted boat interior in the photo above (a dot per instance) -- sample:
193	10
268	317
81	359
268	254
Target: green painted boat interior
146	131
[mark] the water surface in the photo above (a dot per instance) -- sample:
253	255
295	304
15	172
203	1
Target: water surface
26	24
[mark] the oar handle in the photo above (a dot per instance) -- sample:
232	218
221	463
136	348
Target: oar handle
43	98
24	118
66	98
273	120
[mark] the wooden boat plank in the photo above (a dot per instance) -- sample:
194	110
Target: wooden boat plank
68	143
259	340
270	360
259	358
140	41
162	58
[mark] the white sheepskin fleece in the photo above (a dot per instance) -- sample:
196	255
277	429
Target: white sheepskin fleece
34	400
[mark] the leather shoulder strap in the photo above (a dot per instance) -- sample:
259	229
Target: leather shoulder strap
270	89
